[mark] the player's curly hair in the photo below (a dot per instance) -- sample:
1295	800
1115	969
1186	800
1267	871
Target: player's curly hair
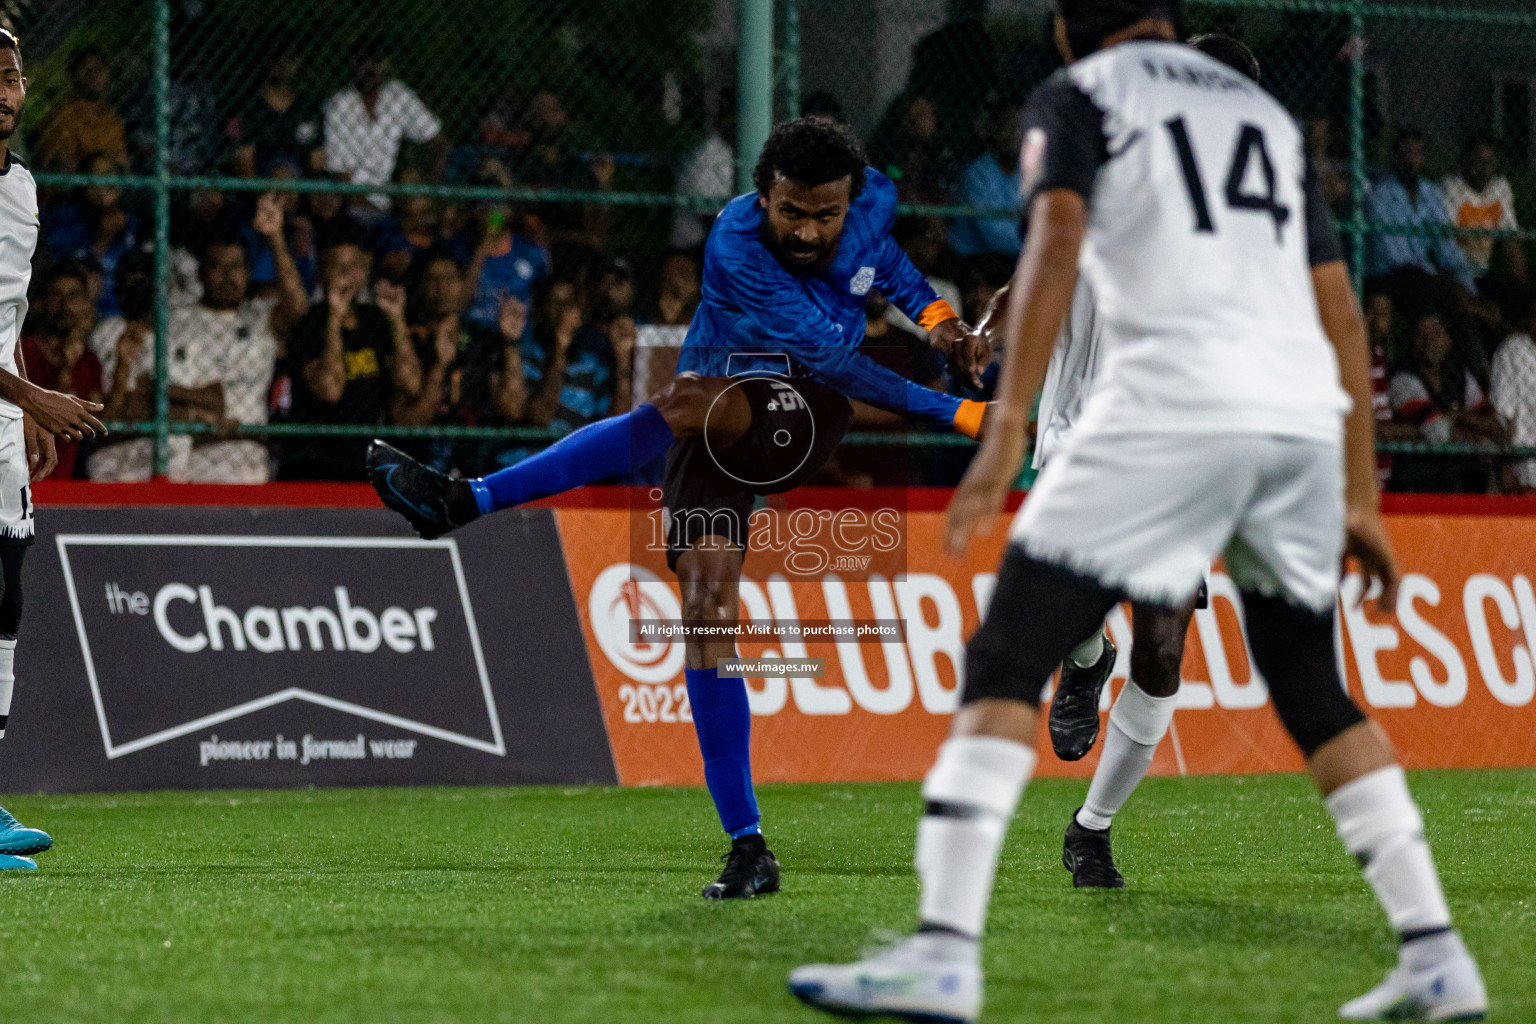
813	151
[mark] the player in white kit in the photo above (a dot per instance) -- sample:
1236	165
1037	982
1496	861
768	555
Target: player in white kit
1218	425
30	416
1143	711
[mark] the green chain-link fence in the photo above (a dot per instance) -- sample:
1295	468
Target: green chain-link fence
566	154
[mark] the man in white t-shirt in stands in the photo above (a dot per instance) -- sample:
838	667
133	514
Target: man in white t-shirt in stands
1478	196
366	121
1513	393
219	358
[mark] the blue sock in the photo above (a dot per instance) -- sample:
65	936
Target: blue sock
613	447
723	721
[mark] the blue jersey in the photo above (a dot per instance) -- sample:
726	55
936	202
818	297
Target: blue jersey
756	316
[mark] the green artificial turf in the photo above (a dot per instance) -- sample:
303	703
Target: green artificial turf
552	905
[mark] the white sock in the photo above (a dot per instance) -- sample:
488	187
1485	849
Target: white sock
971	791
1380	824
7	680
1087	653
1137	724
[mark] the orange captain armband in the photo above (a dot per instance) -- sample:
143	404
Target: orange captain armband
935	313
968	417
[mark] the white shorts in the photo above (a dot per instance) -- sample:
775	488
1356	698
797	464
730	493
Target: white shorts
1147	513
16	522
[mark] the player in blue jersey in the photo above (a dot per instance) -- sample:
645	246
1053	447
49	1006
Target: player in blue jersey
761	400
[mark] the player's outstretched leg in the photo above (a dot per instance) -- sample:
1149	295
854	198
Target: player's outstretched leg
1378	821
1074	721
1137	724
1038	613
434	504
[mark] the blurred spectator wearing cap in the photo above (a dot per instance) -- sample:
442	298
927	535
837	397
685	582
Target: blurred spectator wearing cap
85	122
1513	392
551	160
709	171
408	233
94	227
992	182
55	348
219	364
505	264
1478	196
366	122
275	126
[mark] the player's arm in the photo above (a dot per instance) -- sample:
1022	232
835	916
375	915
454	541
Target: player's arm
910	292
1366	534
1064	146
1037	304
55	413
42	453
791	323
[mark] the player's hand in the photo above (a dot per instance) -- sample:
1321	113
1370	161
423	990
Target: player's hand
968	353
65	415
268	221
42	453
1366	541
982	492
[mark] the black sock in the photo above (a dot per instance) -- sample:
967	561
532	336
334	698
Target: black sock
461	504
1423	933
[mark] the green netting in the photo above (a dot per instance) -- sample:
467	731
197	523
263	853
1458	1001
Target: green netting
605	130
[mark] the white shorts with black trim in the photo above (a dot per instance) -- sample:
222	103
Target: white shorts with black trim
16	522
1147	513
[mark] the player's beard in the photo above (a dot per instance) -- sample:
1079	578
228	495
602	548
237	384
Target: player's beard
8	128
798	259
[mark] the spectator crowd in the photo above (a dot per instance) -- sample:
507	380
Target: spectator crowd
340	309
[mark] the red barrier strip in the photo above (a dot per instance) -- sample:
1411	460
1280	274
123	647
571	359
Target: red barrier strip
81	493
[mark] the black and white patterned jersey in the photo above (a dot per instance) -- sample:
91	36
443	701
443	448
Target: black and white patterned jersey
1204	222
18	241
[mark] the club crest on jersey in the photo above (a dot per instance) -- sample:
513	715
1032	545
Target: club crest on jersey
1031	159
862	281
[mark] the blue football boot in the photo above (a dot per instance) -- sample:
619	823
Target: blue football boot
9	863
18	840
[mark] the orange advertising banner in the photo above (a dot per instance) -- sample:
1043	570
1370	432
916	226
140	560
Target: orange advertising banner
1451	677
